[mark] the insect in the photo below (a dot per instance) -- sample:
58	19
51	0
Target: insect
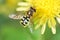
25	19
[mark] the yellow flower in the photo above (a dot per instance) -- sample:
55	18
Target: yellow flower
47	11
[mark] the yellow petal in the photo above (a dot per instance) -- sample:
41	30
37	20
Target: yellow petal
53	22
37	26
57	14
49	23
41	22
22	9
58	19
23	4
43	28
53	30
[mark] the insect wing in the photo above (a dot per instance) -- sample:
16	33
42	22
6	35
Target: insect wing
14	16
31	28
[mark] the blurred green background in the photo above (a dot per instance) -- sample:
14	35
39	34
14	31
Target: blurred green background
12	30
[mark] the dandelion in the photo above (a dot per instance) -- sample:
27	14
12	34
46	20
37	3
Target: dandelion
47	11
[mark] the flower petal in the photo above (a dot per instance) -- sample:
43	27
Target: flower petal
53	22
22	9
41	22
23	4
53	30
58	19
37	26
43	28
49	23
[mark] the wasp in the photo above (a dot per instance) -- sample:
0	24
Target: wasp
25	19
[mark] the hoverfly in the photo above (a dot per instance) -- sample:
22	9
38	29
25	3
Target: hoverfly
25	19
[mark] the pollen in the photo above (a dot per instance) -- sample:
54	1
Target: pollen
46	11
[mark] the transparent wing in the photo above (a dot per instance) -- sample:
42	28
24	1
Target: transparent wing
30	26
14	16
17	15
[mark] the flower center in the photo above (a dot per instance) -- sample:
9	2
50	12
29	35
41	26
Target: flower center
45	7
